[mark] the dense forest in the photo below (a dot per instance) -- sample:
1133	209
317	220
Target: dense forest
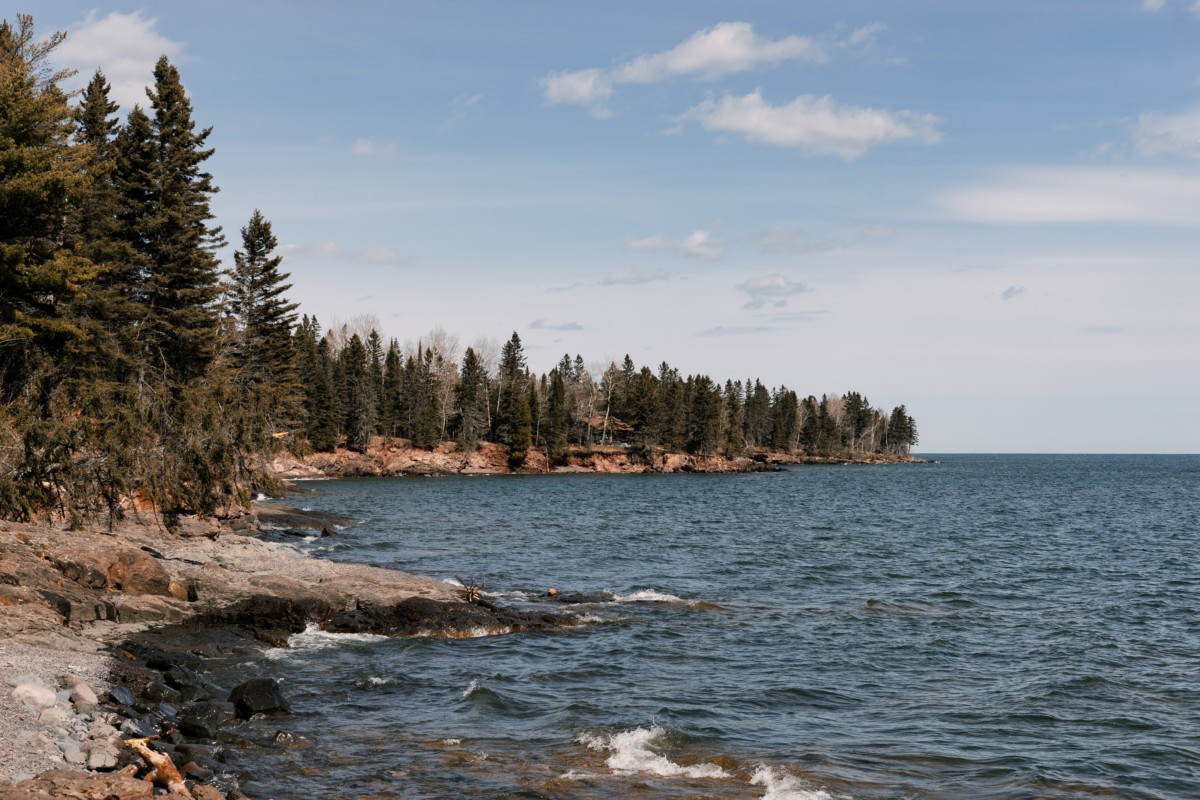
133	365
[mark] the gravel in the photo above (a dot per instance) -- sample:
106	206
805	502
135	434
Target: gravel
30	744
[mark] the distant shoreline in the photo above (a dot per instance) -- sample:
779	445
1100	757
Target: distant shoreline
398	458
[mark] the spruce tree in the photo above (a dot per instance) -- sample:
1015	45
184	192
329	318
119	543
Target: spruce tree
511	382
472	401
182	285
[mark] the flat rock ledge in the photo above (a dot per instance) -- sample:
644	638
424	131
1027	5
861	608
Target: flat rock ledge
91	594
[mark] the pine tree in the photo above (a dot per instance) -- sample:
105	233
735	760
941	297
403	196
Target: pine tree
704	416
182	284
558	419
511	382
361	403
735	434
472	401
263	357
39	172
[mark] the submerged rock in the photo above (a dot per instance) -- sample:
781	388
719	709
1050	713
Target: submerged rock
420	615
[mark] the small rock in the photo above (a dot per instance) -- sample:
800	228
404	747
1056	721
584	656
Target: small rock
76	757
28	677
56	716
203	791
138	729
99	758
82	693
121	696
34	695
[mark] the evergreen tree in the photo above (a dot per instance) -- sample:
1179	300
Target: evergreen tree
704	417
511	386
39	172
472	401
735	433
558	419
360	399
393	381
522	429
262	354
180	244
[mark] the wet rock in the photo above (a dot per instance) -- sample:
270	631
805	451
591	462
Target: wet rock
583	597
422	615
283	739
203	720
157	692
258	696
181	677
139	729
121	696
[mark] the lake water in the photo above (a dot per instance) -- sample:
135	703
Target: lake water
981	627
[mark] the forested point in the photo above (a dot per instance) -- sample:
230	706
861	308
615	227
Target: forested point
136	371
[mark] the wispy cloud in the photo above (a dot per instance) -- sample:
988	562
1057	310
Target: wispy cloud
461	110
1012	293
813	124
1105	330
1046	195
770	290
332	251
124	46
651	244
632	277
737	330
542	325
723	49
372	147
1169	134
702	243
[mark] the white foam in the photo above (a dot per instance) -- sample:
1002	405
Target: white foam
451	742
472	687
781	786
631	753
313	638
649	596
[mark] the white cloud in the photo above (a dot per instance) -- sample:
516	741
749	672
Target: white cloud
334	252
772	290
585	87
370	147
625	277
703	244
124	46
879	232
1165	134
542	325
1067	194
723	49
650	244
1153	5
814	124
1012	292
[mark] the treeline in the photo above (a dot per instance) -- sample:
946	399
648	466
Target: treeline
355	389
134	368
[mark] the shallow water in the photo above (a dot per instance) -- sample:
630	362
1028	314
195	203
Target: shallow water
982	627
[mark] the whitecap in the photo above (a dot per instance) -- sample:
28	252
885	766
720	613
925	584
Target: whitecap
631	753
472	687
781	786
451	742
313	638
648	596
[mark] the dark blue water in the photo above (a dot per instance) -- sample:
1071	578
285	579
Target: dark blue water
982	627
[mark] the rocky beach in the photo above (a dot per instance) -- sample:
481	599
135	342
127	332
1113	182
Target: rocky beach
116	645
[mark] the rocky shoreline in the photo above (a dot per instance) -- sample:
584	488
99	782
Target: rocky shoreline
111	642
386	457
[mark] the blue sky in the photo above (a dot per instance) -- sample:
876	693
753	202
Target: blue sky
989	211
